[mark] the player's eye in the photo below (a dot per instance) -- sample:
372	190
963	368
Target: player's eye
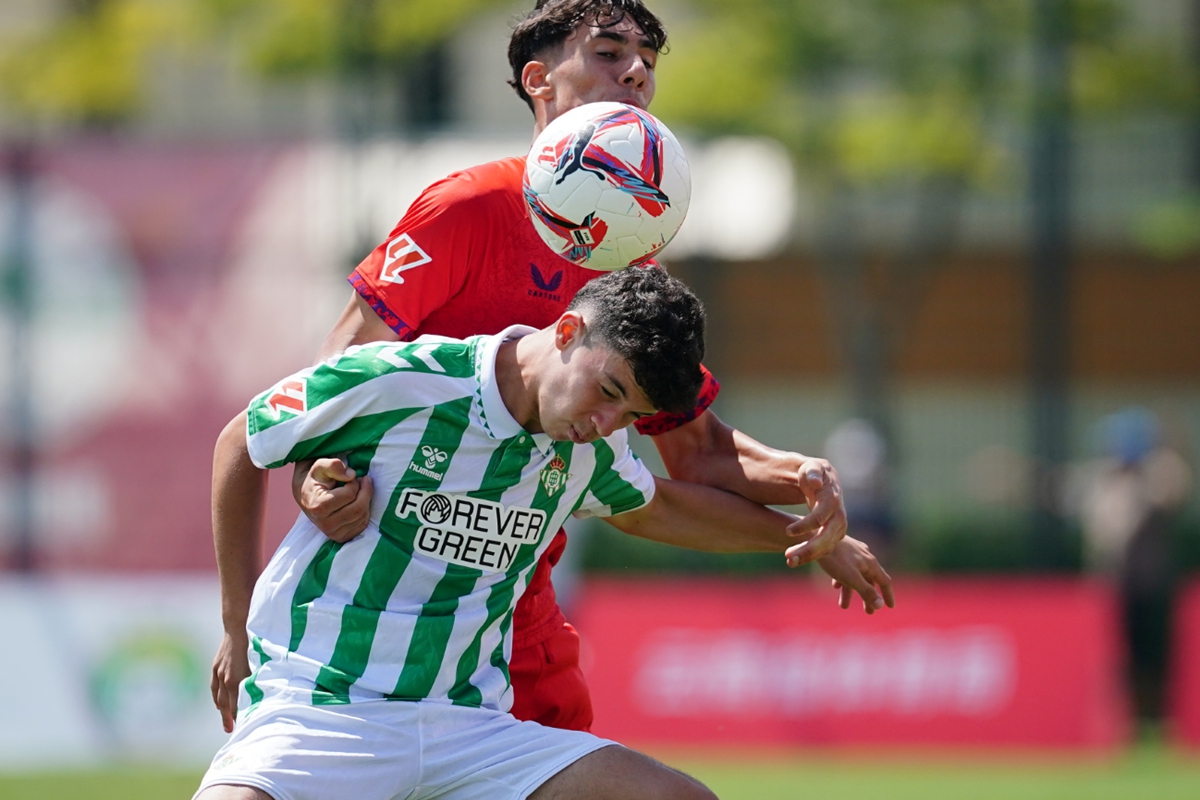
608	393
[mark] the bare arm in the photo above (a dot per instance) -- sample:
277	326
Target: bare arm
238	494
711	453
358	324
702	518
708	452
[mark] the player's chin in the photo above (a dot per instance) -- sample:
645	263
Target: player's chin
576	434
563	433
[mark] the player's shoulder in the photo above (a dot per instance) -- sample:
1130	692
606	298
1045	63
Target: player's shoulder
496	182
430	355
505	173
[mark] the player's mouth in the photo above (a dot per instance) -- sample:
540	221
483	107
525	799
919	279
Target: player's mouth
577	437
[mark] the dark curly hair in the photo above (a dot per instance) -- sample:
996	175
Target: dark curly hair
553	21
655	323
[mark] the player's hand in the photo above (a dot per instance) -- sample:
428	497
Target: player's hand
854	569
825	523
333	497
230	667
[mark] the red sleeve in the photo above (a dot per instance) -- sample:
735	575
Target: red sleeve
426	258
664	421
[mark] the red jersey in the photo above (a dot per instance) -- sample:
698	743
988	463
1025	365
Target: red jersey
465	260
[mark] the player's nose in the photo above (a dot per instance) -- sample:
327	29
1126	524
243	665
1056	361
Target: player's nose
636	75
606	422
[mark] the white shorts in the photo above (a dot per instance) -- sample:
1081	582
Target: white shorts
392	750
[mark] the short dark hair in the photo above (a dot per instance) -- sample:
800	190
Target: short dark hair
553	21
655	323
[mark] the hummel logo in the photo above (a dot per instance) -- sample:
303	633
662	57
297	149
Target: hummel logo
433	456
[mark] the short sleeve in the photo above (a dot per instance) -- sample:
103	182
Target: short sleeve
664	421
427	257
350	402
620	481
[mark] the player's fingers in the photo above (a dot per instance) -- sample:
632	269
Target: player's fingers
885	586
366	490
348	530
358	511
323	501
844	596
812	477
818	496
799	554
872	602
226	708
214	686
804	527
330	472
351	519
818	546
826	519
345	523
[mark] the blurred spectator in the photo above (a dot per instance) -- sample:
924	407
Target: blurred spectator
1126	501
858	452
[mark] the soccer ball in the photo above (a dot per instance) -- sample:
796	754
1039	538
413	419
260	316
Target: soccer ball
607	186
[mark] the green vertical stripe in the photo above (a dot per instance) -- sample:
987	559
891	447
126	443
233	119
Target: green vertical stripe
387	563
310	586
316	576
255	693
502	594
431	634
503	472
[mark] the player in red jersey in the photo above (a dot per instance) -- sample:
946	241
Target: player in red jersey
465	259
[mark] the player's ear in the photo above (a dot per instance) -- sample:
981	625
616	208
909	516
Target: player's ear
568	330
535	78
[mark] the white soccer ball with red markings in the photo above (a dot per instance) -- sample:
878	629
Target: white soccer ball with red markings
607	185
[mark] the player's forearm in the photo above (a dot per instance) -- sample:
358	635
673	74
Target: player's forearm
238	504
358	324
703	518
708	452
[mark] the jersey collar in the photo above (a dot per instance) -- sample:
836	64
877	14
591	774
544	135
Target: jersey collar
499	423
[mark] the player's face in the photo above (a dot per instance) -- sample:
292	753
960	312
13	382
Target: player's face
603	64
590	396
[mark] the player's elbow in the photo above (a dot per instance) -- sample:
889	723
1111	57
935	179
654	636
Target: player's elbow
693	452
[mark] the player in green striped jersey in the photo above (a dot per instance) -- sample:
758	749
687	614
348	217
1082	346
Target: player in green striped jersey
483	446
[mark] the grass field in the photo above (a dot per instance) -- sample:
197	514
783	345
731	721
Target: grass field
1148	772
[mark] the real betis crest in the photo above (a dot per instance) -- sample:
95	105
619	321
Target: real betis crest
554	476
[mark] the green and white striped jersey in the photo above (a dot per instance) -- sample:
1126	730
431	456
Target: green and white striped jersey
419	606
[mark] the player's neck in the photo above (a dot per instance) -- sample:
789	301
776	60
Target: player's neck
517	377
